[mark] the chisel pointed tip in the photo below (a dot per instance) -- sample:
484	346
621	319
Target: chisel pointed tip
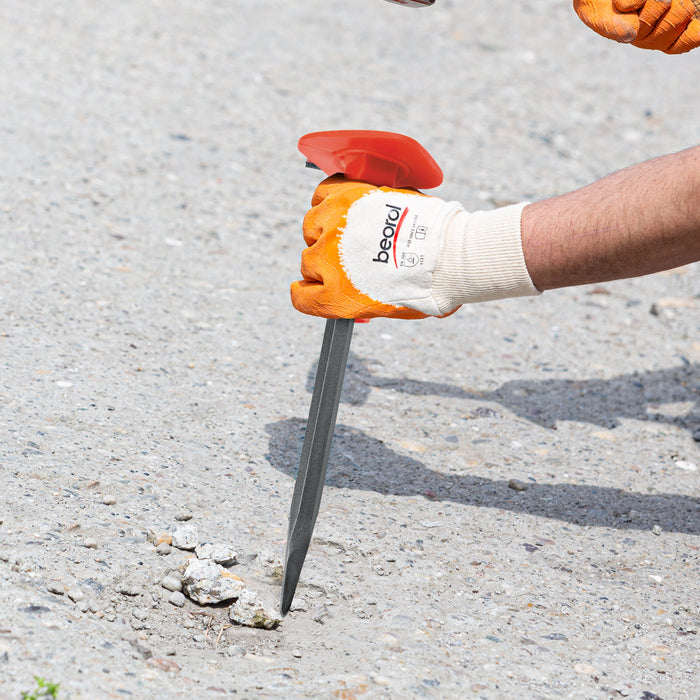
292	571
287	596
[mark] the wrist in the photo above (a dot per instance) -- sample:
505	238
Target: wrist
481	259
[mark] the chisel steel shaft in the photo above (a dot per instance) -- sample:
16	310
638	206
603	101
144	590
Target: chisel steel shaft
316	448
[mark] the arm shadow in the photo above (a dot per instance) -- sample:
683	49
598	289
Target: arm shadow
639	396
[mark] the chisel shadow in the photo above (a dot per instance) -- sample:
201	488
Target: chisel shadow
361	462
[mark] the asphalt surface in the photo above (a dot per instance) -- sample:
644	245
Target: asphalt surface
513	500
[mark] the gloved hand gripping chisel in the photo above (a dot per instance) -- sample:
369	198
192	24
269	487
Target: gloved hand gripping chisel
380	158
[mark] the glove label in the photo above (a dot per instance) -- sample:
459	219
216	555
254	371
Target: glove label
392	226
389	247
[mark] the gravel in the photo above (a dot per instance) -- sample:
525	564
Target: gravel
513	499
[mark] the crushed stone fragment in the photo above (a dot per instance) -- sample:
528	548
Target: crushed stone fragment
249	611
205	582
220	553
203	551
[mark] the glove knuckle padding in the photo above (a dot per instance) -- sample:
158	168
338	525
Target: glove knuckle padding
690	39
329	186
301	293
310	267
607	20
628	5
662	22
663	36
312	226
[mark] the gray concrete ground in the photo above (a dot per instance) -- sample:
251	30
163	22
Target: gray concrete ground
513	500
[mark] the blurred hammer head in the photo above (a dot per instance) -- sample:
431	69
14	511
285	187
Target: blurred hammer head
414	3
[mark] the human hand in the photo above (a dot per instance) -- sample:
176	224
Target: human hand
378	251
664	25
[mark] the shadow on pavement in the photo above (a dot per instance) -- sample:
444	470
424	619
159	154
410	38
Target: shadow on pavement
363	463
637	396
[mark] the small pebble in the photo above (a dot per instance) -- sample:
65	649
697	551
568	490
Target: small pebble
163	664
518	486
185	537
163	549
298	605
90	543
656	530
687	466
183	516
156	538
109	500
75	594
177	598
236	650
320	615
130	589
143	649
171	583
55	587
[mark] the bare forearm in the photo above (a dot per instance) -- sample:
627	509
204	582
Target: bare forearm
640	220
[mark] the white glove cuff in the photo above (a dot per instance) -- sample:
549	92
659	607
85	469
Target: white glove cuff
481	259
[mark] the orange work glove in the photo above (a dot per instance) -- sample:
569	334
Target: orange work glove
378	251
665	25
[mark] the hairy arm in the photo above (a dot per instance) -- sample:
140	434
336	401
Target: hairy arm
638	221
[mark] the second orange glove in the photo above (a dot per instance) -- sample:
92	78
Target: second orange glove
664	25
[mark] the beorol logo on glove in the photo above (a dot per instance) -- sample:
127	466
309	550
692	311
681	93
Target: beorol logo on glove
392	225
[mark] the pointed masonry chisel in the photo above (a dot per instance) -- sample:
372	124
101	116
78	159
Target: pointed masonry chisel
380	158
